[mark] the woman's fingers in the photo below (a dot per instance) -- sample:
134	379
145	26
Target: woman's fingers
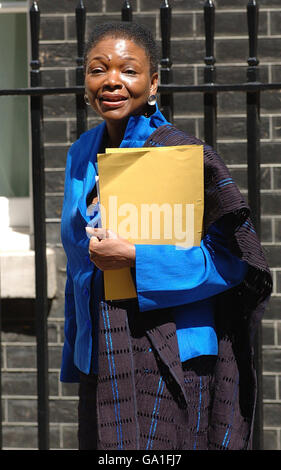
100	233
111	253
93	241
111	234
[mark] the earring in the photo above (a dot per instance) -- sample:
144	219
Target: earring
151	100
86	99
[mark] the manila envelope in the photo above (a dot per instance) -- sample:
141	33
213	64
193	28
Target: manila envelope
150	196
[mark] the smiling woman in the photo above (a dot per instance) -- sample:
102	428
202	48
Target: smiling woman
118	83
158	371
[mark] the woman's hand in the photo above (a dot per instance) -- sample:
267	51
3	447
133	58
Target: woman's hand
109	251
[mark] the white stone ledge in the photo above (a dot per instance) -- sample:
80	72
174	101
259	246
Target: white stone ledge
18	274
17	258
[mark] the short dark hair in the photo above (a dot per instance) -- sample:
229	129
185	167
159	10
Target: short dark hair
127	30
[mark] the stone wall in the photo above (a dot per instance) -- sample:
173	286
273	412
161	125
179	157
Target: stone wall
58	55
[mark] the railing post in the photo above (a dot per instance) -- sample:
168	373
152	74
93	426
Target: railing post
166	74
210	99
253	117
81	107
253	157
127	11
38	189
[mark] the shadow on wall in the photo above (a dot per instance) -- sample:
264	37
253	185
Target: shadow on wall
18	315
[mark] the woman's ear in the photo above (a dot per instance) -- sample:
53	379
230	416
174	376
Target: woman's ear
154	83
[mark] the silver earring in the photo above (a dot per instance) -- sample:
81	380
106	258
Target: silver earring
86	99
151	100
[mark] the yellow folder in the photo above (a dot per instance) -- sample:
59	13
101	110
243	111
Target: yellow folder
150	196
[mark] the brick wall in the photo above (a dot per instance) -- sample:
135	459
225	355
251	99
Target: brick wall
58	54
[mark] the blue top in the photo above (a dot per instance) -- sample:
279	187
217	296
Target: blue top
185	280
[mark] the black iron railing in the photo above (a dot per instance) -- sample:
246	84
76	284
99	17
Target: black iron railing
252	88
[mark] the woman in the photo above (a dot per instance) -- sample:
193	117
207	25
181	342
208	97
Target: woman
173	368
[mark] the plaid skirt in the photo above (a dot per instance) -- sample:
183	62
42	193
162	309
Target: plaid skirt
163	420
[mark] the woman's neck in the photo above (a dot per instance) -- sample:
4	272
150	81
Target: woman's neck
115	133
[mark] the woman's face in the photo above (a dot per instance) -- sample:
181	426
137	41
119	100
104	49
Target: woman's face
118	81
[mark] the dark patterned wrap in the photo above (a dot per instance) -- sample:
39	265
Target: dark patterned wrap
147	399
